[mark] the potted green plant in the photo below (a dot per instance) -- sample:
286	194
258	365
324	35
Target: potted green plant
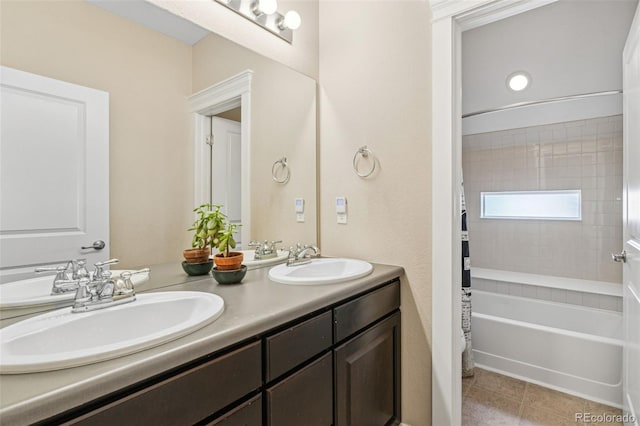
208	224
227	260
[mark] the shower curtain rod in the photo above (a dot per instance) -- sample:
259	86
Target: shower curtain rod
542	101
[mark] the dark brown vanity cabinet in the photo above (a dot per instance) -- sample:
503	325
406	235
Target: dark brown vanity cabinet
357	382
367	364
367	375
338	366
303	398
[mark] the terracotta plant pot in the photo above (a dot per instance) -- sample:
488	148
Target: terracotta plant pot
231	263
197	255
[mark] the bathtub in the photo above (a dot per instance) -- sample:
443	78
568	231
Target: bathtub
573	349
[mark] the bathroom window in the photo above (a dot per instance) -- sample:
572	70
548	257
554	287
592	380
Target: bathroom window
545	205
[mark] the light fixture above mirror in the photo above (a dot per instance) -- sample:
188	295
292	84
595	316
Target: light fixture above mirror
265	14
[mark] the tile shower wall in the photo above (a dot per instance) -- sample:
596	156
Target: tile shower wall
586	155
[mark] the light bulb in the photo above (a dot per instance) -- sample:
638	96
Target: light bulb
518	81
267	6
292	20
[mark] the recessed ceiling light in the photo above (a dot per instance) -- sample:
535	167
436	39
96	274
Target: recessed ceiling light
518	81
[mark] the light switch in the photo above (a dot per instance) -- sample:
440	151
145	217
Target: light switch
341	210
299	203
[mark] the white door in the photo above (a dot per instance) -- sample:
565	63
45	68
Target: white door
631	224
226	169
54	172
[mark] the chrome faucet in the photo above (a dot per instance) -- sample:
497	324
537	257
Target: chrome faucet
67	276
264	250
104	291
302	254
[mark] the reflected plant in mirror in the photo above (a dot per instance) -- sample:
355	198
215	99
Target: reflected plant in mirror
209	223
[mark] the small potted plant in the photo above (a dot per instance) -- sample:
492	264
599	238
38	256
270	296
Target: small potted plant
229	268
227	260
208	224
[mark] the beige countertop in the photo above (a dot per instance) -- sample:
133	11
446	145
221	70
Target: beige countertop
252	307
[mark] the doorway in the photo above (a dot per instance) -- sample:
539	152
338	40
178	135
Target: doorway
230	98
449	22
226	165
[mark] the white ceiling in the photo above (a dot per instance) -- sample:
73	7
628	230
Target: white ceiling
154	18
569	47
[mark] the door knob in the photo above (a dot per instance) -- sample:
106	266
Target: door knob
619	257
97	245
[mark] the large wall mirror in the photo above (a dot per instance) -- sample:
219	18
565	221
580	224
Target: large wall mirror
150	78
282	124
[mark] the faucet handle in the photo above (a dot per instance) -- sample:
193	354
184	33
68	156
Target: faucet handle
139	271
41	269
106	262
61	272
97	274
254	243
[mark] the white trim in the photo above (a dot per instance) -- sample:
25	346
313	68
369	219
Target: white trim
475	13
445	9
227	94
450	17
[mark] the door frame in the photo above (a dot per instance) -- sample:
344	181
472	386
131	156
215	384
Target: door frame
231	93
449	19
632	42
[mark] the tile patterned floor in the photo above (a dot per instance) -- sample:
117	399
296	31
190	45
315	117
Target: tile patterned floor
492	399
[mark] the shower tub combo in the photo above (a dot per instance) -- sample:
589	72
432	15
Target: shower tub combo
574	349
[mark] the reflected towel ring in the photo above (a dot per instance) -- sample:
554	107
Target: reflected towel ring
281	164
365	152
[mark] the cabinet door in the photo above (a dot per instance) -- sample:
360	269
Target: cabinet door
304	398
367	376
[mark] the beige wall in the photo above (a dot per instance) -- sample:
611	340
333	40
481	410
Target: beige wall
375	89
584	154
283	123
148	77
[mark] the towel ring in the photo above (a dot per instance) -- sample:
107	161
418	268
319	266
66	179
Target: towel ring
365	152
281	164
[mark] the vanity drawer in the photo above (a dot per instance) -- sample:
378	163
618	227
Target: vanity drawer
303	398
248	414
295	345
357	314
187	397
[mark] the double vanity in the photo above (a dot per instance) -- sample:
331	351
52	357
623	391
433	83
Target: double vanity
276	354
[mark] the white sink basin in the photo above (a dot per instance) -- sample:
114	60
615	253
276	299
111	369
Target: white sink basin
61	339
37	291
321	271
252	263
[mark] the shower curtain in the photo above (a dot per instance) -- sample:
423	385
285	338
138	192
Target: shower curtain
467	355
